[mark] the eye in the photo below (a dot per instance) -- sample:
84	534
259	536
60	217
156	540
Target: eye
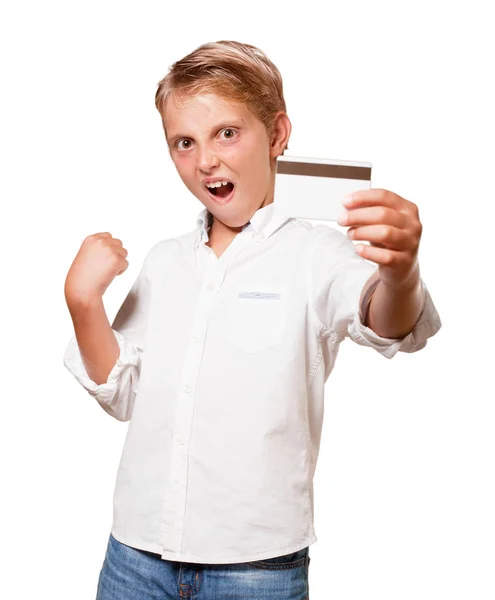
231	130
183	140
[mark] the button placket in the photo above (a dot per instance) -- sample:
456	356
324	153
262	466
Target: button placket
174	505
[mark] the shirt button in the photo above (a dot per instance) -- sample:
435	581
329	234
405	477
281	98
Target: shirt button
261	236
187	389
197	338
210	287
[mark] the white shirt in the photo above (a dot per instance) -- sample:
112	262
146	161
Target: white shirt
221	373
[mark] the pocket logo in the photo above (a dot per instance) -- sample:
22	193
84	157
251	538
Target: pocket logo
259	295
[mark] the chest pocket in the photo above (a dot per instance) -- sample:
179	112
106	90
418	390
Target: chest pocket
256	317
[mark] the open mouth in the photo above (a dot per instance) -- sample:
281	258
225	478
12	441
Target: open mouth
222	193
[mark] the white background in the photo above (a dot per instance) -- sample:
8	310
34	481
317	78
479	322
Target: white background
404	488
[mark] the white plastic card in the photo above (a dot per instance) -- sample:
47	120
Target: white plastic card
314	188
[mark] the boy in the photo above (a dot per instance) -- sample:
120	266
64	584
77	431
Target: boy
219	354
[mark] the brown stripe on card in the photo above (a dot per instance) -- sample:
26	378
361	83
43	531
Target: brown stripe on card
286	167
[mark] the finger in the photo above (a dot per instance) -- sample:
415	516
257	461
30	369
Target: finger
381	256
373	197
121	251
383	235
373	215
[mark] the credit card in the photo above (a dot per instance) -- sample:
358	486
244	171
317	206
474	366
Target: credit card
314	188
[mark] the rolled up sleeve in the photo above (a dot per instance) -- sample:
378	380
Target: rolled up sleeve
338	276
426	326
116	395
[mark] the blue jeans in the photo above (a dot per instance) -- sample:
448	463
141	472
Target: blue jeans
131	574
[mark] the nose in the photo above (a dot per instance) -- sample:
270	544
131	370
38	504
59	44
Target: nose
207	159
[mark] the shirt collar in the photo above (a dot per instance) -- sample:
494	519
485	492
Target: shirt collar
263	223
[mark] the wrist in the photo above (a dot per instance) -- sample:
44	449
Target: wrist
410	281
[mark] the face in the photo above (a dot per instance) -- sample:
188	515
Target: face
209	136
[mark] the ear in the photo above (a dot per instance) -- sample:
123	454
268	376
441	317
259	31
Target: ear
282	128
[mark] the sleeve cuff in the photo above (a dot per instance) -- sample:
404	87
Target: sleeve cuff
426	326
129	357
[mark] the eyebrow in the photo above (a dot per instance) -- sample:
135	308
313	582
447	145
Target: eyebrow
235	121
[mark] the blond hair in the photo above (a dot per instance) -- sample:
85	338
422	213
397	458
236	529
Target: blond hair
231	70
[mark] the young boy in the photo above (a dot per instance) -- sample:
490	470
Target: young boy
219	354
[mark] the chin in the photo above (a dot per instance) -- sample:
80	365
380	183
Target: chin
230	216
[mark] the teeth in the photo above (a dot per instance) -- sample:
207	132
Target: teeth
216	184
